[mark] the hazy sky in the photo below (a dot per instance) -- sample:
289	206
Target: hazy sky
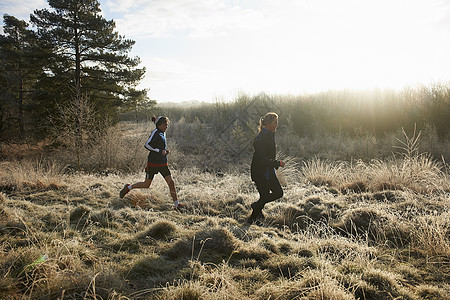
208	49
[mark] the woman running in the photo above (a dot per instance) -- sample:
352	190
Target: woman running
157	161
264	164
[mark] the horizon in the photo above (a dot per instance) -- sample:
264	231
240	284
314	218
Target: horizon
214	50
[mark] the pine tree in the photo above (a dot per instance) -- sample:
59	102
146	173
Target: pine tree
19	71
89	56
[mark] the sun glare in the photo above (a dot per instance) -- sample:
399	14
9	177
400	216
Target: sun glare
297	47
341	49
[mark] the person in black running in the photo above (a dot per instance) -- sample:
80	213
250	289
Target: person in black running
263	166
157	161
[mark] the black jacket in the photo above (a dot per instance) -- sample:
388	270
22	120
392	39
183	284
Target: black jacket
156	143
263	163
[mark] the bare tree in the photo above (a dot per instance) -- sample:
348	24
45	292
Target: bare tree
76	124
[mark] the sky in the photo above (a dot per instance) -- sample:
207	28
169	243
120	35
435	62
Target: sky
209	50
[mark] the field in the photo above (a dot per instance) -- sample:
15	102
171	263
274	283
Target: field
362	217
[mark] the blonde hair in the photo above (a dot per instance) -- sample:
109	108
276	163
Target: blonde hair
268	118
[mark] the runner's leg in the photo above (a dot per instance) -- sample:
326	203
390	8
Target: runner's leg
171	184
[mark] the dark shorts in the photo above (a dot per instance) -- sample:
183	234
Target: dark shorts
151	171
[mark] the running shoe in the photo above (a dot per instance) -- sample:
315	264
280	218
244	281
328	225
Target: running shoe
180	206
124	191
257	212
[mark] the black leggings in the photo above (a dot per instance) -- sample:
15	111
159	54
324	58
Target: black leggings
269	190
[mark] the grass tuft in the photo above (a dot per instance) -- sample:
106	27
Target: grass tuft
79	215
160	230
213	244
361	221
430	292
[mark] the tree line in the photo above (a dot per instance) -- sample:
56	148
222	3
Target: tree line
341	112
66	61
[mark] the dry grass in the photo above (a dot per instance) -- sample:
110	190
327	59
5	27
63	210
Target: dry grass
36	174
343	230
322	173
407	170
419	174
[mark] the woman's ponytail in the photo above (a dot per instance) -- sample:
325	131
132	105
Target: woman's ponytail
160	120
261	124
268	118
